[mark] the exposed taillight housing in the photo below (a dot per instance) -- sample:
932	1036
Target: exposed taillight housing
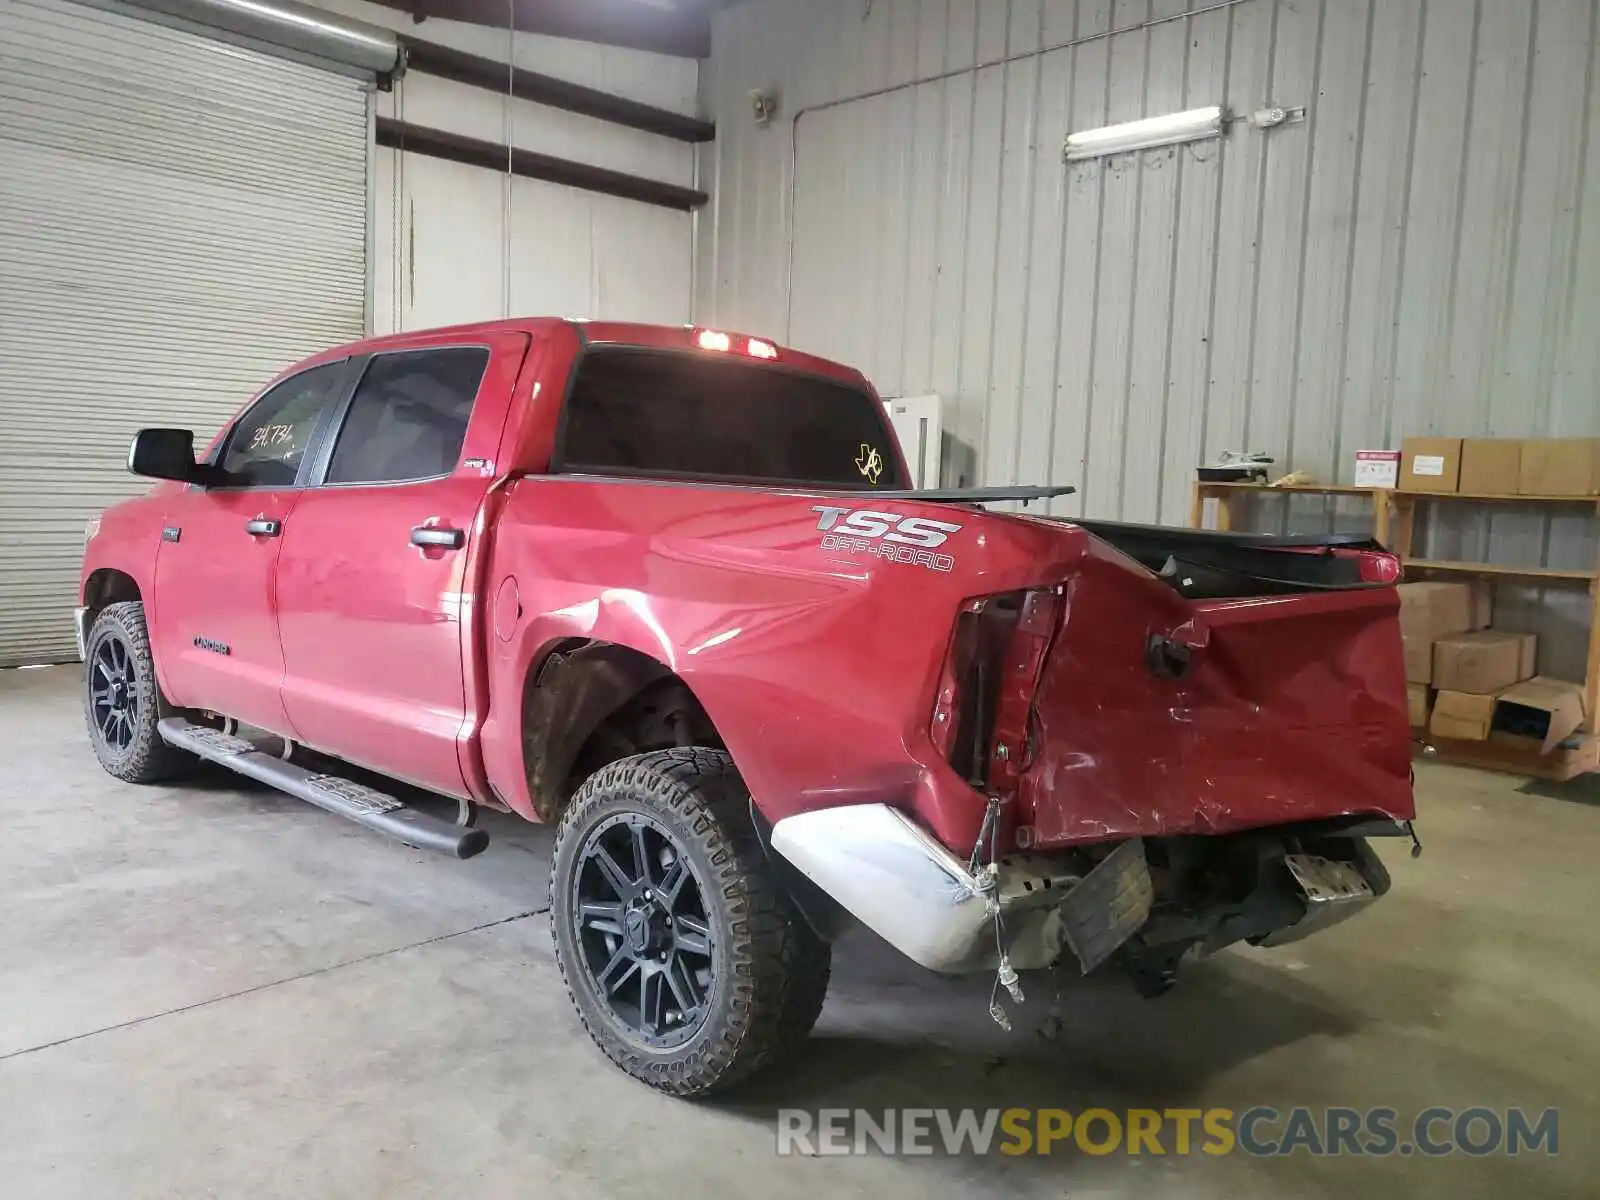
1376	566
1379	566
985	698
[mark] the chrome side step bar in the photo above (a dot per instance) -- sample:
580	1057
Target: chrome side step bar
377	810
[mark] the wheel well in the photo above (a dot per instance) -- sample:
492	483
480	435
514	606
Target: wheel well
107	586
586	704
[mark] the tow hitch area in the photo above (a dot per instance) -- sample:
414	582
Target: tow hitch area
1333	891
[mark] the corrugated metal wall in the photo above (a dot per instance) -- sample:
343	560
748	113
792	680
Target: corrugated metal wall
1420	255
180	219
456	243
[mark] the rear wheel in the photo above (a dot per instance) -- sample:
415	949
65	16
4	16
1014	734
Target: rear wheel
688	965
122	701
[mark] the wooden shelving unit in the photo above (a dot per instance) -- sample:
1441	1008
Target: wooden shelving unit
1224	494
1402	522
1533	574
1393	521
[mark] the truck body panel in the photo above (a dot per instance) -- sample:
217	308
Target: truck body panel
629	538
1293	709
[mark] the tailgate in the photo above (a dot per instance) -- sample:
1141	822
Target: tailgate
1289	707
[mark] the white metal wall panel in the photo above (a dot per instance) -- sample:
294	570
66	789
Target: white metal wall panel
456	243
1420	255
180	219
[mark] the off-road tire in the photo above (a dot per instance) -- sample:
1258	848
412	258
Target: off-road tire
772	972
147	759
809	970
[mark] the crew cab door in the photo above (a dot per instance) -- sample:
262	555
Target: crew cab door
213	621
372	586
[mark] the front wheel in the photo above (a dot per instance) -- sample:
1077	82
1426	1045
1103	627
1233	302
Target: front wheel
122	701
688	964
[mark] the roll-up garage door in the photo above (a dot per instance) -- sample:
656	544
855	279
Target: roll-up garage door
180	218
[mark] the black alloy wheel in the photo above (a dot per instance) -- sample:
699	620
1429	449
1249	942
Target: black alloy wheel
114	694
122	701
639	912
687	962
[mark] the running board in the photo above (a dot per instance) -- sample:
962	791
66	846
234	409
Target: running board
376	810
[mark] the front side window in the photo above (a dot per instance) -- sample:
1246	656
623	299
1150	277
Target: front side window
408	418
266	446
701	416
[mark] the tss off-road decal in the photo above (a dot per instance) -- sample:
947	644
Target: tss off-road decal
886	535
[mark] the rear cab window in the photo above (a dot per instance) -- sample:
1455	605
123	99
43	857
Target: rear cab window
673	414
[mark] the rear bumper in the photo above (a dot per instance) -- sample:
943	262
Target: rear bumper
881	867
80	621
924	901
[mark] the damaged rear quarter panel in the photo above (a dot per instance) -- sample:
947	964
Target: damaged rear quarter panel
816	651
817	663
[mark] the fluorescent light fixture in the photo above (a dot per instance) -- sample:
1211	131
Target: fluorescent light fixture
1169	130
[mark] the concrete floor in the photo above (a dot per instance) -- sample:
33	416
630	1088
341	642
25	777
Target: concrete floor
215	989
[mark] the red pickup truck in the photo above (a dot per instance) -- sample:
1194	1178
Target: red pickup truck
669	588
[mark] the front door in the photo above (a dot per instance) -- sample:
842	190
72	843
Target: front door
214	624
371	585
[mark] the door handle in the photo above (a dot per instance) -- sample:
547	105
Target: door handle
263	527
437	535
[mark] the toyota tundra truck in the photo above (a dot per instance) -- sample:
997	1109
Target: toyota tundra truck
671	590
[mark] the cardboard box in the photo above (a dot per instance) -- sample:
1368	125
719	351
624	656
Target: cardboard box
1429	611
1436	610
1429	464
1542	710
1417	653
1483	662
1560	467
1461	715
1491	466
1418	701
1377	468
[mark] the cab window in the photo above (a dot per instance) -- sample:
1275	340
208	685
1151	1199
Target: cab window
408	418
267	444
675	415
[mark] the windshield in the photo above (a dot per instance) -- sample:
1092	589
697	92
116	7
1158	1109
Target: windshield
672	414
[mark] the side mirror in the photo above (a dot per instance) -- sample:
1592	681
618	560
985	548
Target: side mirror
166	454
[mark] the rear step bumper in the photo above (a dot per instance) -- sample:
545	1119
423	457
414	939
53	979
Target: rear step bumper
926	903
376	810
883	869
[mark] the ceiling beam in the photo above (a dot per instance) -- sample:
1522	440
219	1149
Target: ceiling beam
492	75
494	156
630	23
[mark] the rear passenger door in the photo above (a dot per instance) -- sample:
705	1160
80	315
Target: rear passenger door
372	583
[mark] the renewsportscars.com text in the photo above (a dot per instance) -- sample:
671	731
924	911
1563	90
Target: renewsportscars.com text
1258	1131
